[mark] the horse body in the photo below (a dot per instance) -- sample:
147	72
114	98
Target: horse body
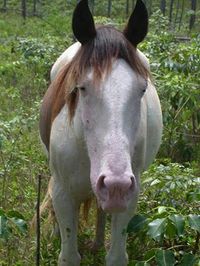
115	135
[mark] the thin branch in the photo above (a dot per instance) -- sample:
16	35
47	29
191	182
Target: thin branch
177	246
181	108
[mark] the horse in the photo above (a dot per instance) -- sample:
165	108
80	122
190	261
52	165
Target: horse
101	126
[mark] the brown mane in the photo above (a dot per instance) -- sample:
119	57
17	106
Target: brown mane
98	54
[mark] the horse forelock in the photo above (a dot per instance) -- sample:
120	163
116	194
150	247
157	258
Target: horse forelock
97	55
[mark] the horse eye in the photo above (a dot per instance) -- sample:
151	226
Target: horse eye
82	89
145	89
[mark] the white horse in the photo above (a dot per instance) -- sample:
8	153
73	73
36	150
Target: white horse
101	124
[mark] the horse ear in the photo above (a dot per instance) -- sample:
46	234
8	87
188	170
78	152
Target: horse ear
137	26
82	23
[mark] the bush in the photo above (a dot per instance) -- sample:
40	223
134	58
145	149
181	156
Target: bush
168	219
176	68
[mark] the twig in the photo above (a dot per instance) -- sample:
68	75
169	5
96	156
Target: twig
181	108
38	223
177	247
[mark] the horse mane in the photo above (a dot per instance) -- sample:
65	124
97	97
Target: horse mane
98	54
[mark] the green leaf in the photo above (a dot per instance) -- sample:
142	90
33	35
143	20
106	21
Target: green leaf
193	196
1	142
179	223
15	214
139	263
136	224
4	229
142	263
188	260
150	254
155	182
165	258
162	209
170	231
20	224
2	213
157	228
194	221
133	263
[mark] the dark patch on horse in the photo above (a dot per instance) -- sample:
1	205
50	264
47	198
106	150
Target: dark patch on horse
68	230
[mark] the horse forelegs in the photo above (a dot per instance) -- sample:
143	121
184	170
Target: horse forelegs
117	255
67	217
100	230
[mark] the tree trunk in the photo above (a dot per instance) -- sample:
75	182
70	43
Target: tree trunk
109	8
177	11
34	7
182	11
171	12
193	16
163	6
4	5
127	8
24	9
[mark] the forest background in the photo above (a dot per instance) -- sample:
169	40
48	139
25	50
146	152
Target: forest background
166	227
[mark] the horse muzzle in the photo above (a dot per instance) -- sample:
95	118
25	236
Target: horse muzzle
114	193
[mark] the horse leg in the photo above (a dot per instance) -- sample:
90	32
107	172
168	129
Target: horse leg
100	230
67	216
117	255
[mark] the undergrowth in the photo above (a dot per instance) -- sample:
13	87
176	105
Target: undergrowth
167	223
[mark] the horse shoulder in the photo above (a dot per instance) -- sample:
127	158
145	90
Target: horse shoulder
52	96
153	117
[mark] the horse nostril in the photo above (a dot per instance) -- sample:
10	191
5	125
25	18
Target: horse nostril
100	183
101	187
133	183
108	187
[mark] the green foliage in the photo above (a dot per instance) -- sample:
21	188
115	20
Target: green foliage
165	258
168	228
176	69
136	223
194	221
188	260
156	228
11	222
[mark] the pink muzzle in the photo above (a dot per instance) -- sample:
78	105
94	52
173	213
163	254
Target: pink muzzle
114	192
